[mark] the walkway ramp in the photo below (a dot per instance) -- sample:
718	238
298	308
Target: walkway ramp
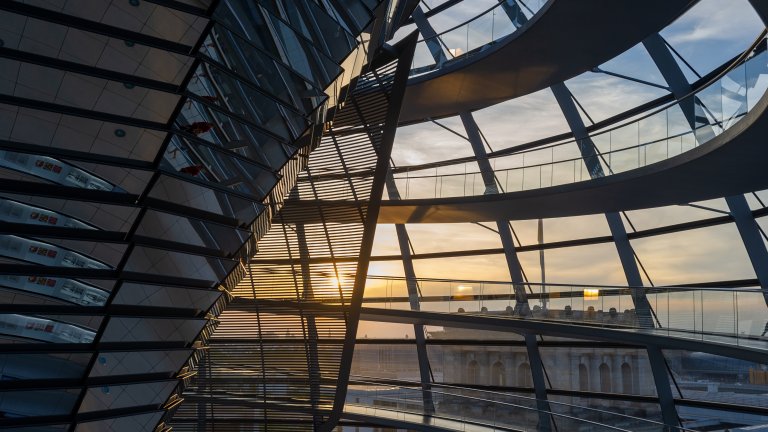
563	40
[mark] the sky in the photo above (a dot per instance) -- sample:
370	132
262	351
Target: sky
710	33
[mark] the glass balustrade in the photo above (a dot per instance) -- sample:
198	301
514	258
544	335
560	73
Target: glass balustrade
475	35
739	314
463	409
654	137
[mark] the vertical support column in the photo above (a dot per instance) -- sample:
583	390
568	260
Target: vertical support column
405	49
413	299
514	12
750	235
514	267
625	251
737	204
540	239
430	36
311	337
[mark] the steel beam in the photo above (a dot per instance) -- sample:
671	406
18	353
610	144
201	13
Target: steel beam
514	12
514	267
739	208
404	241
429	35
405	49
624	248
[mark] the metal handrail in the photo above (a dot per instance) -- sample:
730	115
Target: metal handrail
618	287
741	59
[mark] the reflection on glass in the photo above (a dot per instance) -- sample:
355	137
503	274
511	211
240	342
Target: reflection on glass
43	329
54	170
658	135
12	211
44	253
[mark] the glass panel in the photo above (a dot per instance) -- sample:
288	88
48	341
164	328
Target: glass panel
125	329
43	366
139	362
492	364
385	361
24	403
713	378
174	264
124	396
604	370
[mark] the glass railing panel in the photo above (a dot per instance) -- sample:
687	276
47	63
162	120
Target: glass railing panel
145	421
701	313
718	311
501	24
625	415
608	370
69	290
653	133
386	361
422	57
135	294
174	264
752	320
201	198
474	35
454	41
677	310
457	408
756	79
657	136
480	31
733	93
709	377
708	112
103	216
